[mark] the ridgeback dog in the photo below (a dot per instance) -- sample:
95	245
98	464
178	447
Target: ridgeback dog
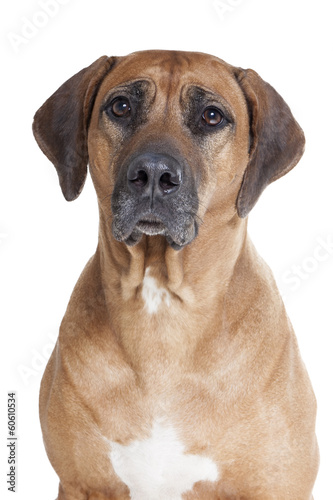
176	374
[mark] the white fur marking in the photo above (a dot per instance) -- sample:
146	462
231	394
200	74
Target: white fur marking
152	294
158	468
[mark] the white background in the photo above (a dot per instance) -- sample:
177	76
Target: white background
45	241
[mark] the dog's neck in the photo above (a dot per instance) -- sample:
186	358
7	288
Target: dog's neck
151	287
185	273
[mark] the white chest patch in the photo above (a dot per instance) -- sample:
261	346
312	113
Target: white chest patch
158	468
152	294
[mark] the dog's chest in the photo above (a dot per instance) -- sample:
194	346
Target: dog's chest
159	466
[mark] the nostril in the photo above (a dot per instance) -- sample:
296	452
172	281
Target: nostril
153	175
140	179
168	182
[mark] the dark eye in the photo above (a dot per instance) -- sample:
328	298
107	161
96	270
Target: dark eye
120	107
212	117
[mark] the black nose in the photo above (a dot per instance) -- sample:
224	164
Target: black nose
153	174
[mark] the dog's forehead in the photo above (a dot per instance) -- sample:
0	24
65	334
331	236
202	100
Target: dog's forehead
171	70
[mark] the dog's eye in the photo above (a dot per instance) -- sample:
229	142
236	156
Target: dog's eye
120	107
212	117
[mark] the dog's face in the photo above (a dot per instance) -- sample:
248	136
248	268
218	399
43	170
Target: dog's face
165	128
169	135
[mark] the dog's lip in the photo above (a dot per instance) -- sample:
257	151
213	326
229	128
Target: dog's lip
150	224
150	218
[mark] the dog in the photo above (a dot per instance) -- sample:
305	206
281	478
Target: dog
176	374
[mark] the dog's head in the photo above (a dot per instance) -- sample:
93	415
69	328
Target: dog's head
168	135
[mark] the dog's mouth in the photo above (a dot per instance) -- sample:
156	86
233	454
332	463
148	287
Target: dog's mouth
150	225
179	230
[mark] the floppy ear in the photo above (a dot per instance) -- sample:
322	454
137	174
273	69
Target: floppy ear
276	140
60	126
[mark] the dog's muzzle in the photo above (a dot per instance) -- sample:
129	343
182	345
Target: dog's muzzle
155	194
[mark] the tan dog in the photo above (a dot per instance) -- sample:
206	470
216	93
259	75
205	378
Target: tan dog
176	374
